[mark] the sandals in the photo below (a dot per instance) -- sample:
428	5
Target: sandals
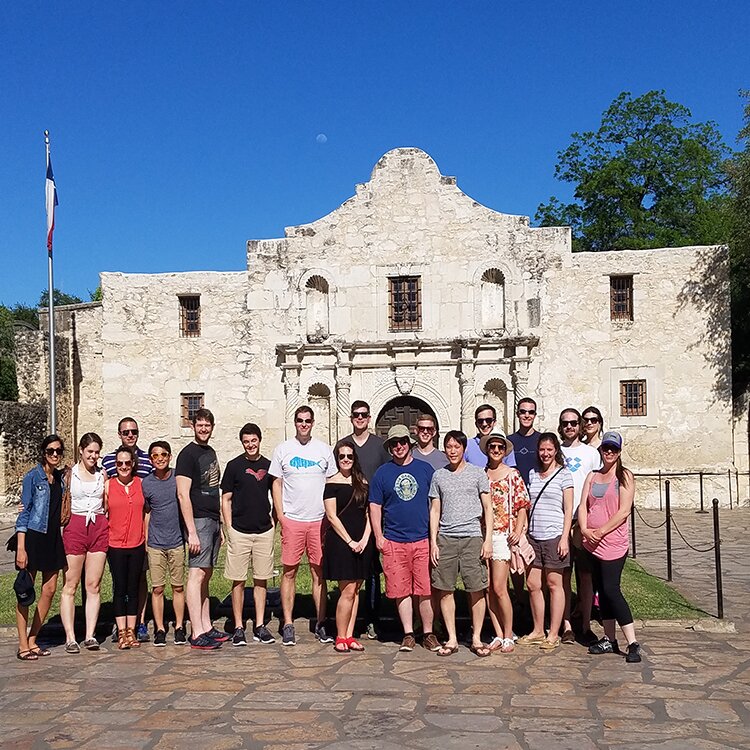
28	655
496	644
508	647
549	645
123	644
341	645
71	647
531	640
133	642
354	644
479	649
447	650
39	651
91	644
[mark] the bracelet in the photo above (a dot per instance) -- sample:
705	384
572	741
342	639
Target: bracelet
351	541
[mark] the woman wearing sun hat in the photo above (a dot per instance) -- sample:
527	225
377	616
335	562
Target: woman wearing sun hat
603	518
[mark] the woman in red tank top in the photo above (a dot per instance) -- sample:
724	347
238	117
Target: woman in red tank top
603	519
123	503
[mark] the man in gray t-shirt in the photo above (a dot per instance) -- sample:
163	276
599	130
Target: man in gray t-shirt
459	499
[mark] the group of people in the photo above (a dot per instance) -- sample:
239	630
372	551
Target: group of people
529	507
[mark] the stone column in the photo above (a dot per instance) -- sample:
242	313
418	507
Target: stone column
467	389
291	391
343	400
519	372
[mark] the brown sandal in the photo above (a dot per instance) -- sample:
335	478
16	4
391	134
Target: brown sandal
122	640
131	639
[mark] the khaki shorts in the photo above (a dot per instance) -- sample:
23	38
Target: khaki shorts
163	561
241	548
460	555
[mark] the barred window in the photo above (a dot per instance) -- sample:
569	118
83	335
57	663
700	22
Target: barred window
405	303
190	314
191	402
632	398
621	297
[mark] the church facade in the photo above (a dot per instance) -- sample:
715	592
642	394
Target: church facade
414	297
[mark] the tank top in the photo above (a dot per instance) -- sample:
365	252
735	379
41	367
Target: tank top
600	507
86	498
126	528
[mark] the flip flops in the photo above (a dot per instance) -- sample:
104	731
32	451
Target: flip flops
479	649
341	646
447	650
354	644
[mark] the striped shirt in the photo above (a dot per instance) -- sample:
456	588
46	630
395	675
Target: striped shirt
144	464
547	514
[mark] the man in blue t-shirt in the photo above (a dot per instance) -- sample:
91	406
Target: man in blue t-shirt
485	419
525	439
400	518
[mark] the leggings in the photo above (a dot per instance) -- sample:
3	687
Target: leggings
606	575
126	566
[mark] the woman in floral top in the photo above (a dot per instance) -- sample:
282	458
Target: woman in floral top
509	496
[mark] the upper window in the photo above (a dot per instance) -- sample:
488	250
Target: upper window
621	297
405	303
190	403
493	299
190	314
632	398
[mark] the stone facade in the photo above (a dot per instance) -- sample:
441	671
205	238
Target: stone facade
507	310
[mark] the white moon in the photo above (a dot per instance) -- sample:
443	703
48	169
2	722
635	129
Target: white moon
321	138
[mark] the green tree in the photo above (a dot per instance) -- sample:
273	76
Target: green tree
648	177
739	255
8	385
59	298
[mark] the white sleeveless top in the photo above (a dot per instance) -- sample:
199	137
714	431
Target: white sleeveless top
86	498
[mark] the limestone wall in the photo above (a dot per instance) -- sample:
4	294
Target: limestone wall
22	429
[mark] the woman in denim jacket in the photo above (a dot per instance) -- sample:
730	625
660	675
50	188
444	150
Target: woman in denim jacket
40	545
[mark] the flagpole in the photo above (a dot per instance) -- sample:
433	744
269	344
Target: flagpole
51	316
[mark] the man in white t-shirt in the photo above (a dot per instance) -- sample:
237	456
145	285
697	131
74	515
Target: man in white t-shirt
581	459
300	467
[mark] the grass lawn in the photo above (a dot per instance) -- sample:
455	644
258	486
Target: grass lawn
649	597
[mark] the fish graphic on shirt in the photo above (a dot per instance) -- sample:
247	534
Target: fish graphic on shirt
305	463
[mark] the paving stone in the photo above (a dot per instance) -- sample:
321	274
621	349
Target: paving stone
550	741
392	705
469	741
474	722
119	739
182	740
701	710
316	731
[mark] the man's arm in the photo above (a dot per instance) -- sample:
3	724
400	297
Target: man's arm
488	524
376	521
186	508
435	508
226	508
276	494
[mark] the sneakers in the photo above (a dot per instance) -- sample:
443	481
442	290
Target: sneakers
430	642
238	638
321	634
371	633
179	637
141	633
262	634
218	636
604	646
408	643
633	655
287	635
204	643
160	638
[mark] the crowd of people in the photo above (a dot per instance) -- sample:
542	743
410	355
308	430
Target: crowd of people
533	509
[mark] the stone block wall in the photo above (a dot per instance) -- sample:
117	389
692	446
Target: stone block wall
22	429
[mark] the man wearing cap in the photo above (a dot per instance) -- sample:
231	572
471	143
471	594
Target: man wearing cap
399	514
485	418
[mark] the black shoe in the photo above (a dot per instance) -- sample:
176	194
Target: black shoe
604	646
634	653
262	634
204	643
160	638
218	636
238	639
322	634
179	637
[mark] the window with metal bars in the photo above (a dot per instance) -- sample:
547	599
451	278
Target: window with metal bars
190	314
632	398
191	402
621	297
405	303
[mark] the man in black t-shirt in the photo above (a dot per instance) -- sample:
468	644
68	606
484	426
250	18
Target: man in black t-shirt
197	474
246	512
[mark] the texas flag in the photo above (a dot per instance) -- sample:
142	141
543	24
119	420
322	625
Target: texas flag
51	195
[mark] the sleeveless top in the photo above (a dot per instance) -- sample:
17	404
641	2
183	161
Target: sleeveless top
126	527
602	503
86	498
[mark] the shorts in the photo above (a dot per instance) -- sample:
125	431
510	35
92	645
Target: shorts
298	537
241	548
406	566
163	561
80	537
460	555
546	555
210	537
500	547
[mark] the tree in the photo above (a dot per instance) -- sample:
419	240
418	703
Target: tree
648	177
739	255
59	298
8	386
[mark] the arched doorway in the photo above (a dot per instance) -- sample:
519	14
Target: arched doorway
402	410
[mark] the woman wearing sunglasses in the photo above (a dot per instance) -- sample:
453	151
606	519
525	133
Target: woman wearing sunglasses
127	536
86	539
348	547
510	504
40	546
603	518
593	427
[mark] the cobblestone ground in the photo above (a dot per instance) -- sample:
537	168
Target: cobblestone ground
691	691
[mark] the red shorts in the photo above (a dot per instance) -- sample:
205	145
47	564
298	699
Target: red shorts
298	537
406	566
79	538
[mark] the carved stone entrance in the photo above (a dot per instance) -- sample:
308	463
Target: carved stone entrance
402	410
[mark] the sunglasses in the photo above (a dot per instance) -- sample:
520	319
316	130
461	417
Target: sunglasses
400	441
569	422
591	420
610	449
486	420
360	414
123	463
54	451
154	456
303	421
496	447
128	433
527	411
346	457
426	429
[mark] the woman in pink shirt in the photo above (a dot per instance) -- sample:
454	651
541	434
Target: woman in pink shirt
123	502
603	519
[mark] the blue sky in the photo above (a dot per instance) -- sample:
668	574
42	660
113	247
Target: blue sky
180	130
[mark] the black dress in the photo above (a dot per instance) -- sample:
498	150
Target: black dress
45	550
340	563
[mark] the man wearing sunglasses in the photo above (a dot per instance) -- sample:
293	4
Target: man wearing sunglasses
372	455
525	439
128	432
485	418
425	449
400	518
300	467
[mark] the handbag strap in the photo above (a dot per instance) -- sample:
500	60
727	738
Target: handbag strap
541	492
